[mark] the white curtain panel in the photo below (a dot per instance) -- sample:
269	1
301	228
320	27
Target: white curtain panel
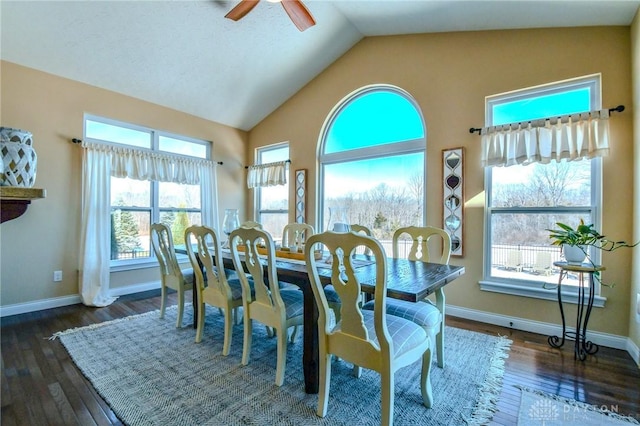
209	196
270	174
100	162
95	244
570	137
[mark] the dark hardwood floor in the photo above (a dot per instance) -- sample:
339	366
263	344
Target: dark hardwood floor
42	386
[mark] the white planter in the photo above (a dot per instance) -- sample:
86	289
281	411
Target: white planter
574	255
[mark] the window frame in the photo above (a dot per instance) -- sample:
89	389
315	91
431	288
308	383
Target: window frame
594	211
116	265
412	146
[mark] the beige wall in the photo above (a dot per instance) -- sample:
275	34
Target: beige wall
46	237
449	74
634	325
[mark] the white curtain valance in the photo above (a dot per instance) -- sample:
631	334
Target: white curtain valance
270	174
144	164
570	137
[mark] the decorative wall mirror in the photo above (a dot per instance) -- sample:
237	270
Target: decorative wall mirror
301	195
453	197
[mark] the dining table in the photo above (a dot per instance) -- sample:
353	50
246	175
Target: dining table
406	280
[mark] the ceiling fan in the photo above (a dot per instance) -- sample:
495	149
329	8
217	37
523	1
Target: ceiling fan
297	11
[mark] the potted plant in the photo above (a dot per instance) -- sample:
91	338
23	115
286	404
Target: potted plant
576	242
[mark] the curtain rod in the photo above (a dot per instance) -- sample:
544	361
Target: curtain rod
266	164
619	108
79	141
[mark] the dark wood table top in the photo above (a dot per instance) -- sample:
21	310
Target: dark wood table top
406	279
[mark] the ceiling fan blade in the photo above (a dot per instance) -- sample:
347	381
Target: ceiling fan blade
241	9
299	14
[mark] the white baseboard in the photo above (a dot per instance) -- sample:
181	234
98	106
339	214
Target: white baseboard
548	329
634	351
57	302
39	305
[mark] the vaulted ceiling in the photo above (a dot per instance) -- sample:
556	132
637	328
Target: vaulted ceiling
185	55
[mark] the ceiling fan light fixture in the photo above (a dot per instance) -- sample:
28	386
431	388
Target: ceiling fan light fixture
298	13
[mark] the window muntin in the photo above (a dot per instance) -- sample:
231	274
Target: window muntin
523	201
377	175
272	202
136	204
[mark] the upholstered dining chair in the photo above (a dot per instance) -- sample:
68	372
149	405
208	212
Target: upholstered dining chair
357	228
369	339
251	224
295	234
425	313
270	306
212	285
172	276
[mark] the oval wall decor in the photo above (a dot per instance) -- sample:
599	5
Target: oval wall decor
453	197
301	195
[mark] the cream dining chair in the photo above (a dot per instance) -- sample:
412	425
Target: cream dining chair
251	224
295	234
425	313
172	276
362	230
369	339
298	233
213	287
270	306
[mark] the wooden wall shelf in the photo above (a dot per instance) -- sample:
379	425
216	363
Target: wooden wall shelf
14	200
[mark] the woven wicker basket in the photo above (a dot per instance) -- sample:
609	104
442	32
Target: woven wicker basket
18	158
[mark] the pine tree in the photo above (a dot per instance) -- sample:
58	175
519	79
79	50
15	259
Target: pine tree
114	239
179	226
126	231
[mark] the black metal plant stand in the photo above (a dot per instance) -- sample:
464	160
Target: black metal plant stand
582	347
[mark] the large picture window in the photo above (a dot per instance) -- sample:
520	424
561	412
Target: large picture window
524	201
372	161
135	204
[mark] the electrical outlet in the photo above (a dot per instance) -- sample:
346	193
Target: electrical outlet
57	276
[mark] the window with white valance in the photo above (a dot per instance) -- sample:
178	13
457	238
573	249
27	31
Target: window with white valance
569	137
545	168
271	201
270	174
162	177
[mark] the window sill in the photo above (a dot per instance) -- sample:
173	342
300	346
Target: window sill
524	290
130	266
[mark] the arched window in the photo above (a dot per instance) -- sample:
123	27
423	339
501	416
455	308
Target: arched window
372	160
